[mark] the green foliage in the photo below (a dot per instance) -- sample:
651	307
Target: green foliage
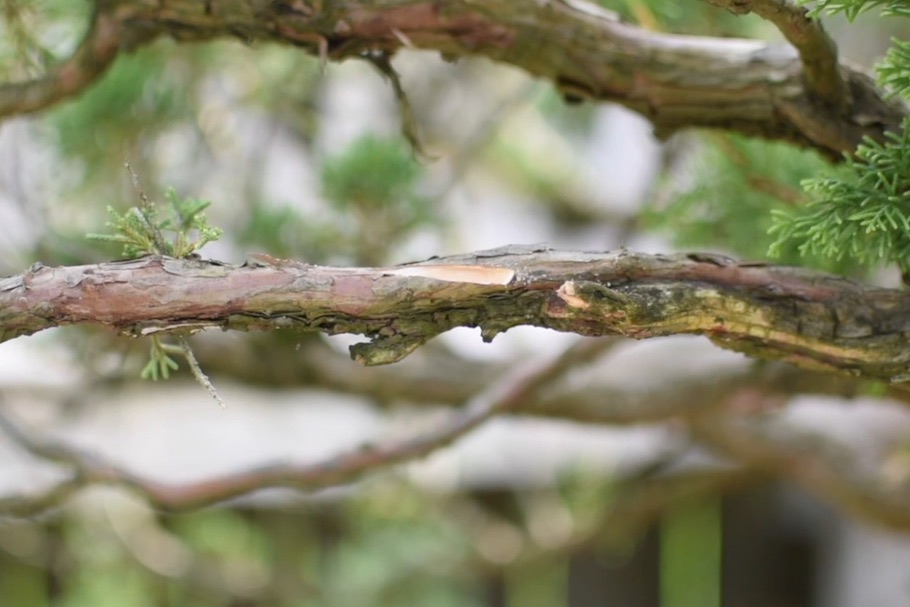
852	8
160	363
179	231
894	70
372	203
373	173
373	187
142	95
863	212
736	181
398	551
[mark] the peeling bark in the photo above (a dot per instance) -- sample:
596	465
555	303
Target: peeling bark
808	318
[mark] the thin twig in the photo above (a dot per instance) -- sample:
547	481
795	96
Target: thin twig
197	371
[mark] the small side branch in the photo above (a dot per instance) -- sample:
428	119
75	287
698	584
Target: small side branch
817	51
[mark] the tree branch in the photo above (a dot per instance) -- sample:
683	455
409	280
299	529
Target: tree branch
812	319
91	59
587	52
509	394
817	50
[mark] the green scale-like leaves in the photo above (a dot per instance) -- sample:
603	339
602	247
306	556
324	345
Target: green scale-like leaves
864	213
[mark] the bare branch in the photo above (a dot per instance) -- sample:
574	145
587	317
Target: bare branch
816	49
809	318
509	394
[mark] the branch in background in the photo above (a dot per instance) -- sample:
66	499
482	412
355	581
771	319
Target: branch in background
816	49
91	59
812	319
587	52
87	469
834	473
434	375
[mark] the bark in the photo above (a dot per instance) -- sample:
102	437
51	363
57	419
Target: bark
811	319
587	52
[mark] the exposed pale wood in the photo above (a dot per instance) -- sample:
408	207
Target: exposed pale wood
812	319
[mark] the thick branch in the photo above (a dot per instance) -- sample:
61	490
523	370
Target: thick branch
812	319
675	81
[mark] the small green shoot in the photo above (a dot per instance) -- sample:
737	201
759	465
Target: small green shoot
179	230
160	363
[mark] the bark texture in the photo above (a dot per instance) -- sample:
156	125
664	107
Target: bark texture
814	320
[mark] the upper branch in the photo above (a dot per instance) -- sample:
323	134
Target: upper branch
812	319
587	52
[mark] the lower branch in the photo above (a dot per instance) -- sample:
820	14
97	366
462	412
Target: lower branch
509	394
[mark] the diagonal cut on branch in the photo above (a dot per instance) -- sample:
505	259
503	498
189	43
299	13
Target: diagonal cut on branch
587	52
509	394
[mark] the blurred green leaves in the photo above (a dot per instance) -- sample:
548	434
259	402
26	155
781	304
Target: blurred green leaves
737	183
372	203
142	94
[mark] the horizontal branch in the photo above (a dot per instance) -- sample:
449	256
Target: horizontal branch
587	52
812	319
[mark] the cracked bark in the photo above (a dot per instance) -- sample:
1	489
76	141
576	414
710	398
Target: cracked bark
814	320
